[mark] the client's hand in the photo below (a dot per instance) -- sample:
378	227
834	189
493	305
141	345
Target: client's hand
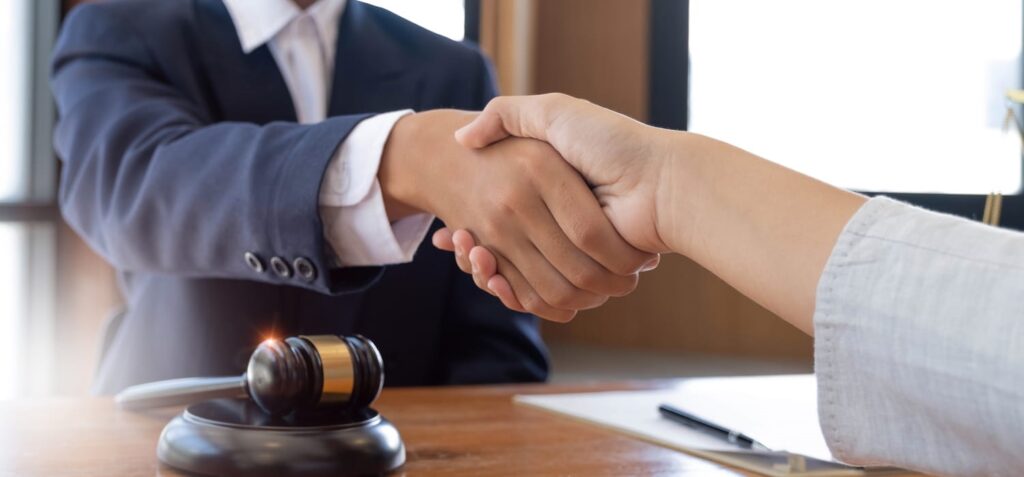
618	156
546	230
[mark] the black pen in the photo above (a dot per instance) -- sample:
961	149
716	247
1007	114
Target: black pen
707	427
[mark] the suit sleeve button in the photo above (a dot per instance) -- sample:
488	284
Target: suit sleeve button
305	269
280	267
254	262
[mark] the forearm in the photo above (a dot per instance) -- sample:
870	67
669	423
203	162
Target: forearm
176	206
764	229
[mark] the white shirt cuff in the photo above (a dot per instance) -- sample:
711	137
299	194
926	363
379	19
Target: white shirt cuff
352	204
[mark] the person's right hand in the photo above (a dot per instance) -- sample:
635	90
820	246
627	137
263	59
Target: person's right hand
547	232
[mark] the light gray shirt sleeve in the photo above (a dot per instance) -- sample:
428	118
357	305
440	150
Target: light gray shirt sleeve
919	343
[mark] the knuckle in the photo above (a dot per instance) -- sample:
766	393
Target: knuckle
568	297
508	201
628	285
564	301
553	103
587	279
587	236
556	98
497	103
532	303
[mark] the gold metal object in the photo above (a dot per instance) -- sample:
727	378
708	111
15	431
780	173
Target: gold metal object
988	209
997	209
339	376
993	209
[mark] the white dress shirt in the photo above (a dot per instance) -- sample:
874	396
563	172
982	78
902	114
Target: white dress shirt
303	44
919	343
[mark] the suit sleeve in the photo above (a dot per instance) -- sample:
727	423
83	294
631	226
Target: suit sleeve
484	342
154	184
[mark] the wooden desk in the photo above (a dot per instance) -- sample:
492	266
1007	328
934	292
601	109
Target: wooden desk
458	431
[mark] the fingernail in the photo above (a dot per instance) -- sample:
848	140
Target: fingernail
460	134
472	264
650	265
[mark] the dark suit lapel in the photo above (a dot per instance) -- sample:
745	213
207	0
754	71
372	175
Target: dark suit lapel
246	87
371	72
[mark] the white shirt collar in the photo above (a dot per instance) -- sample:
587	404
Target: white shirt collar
259	21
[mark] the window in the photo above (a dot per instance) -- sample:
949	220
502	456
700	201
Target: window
14	56
13	138
444	17
27	211
899	96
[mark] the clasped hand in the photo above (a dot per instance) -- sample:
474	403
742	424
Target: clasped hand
616	155
542	227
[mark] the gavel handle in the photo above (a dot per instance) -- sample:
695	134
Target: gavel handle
177	392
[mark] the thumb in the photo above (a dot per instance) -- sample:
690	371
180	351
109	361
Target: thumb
519	116
485	129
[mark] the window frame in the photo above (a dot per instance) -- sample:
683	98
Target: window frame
39	202
471	30
669	108
37	210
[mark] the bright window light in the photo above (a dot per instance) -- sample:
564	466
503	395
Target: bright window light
14	53
444	17
14	56
874	95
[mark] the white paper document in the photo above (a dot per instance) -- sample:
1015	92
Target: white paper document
780	412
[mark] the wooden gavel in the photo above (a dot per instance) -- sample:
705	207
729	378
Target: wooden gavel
299	373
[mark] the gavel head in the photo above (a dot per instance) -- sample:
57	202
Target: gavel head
314	372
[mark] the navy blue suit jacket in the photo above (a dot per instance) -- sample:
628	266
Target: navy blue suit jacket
181	153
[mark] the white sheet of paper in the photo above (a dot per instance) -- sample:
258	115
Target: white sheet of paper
778	411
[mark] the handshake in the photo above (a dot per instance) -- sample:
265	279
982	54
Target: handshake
549	201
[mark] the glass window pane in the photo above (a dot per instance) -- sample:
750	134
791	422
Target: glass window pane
878	95
444	17
13	306
14	118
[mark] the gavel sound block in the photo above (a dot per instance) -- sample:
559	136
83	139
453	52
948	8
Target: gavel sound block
301	408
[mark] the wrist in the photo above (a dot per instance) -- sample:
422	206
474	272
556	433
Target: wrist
397	174
680	173
417	163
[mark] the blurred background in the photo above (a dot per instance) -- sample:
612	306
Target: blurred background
903	97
